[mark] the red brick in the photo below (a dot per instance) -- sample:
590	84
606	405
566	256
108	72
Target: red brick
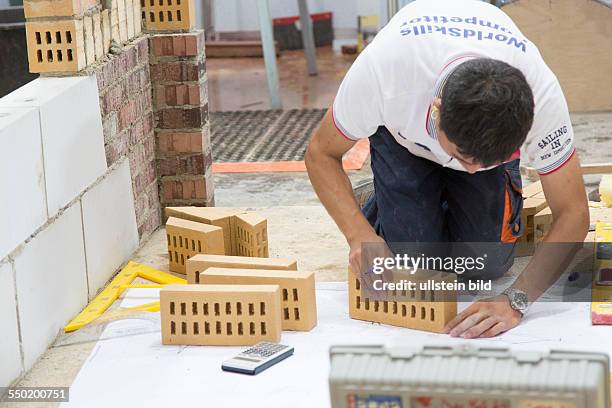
114	98
142	51
179	165
178	45
110	126
176	118
184	189
177	71
194	44
116	149
136	133
148	124
180	142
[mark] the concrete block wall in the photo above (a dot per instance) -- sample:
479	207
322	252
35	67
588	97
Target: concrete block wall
184	158
70	219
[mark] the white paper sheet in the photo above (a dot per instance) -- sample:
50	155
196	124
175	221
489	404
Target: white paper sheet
130	368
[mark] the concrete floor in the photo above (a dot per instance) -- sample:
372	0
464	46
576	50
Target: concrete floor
298	226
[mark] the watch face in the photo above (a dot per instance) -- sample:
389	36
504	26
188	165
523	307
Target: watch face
520	300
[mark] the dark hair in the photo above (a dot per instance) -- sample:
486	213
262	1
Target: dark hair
487	110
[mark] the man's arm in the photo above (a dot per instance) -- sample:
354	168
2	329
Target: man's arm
565	194
332	185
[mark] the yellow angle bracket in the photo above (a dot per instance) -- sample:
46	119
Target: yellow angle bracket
111	292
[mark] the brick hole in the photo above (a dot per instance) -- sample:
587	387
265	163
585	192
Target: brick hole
169	2
376	305
240	331
180	241
178	2
161	16
432	315
184	328
432	295
49	56
296	313
239	308
161	2
58	37
200	247
229	328
172	327
178	12
423	295
152	3
194	308
169	15
197	277
394	307
357	284
386	306
183	309
413	311
68	37
423	313
196	328
193	245
286	313
176	258
251	309
285	295
172	307
263	328
295	294
218	328
403	310
169	252
48	37
367	304
262	308
413	294
217	309
144	14
39	55
358	302
206	328
182	259
205	309
142	3
38	39
69	54
252	328
228	308
174	241
152	16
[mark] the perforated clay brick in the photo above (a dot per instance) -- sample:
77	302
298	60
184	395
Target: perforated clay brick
220	315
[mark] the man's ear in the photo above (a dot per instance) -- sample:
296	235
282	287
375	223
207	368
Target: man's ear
437	102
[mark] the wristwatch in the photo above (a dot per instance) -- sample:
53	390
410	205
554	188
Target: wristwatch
519	300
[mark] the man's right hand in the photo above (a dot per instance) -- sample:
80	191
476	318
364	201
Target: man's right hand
363	251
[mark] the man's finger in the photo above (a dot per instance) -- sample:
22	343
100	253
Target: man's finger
467	323
496	330
480	328
460	317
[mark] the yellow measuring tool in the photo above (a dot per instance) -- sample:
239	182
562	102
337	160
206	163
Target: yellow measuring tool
123	280
601	305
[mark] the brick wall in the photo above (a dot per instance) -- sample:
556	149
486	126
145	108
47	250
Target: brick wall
124	84
180	99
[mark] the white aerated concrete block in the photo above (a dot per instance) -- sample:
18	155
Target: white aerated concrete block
51	282
72	138
10	356
109	221
22	181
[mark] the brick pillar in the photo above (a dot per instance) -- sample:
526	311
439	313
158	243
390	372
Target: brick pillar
180	100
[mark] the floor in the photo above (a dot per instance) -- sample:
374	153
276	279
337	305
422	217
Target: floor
299	227
240	83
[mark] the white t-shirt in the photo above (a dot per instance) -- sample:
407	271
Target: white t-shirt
395	79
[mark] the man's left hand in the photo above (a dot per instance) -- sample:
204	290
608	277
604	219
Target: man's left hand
486	318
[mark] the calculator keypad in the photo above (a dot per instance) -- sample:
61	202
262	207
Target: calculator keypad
264	350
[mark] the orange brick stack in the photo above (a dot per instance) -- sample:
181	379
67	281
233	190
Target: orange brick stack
69	35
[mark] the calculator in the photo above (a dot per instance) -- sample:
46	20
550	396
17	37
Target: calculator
255	359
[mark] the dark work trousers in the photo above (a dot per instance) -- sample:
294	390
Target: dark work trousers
417	200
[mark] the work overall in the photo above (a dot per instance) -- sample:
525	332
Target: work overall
417	200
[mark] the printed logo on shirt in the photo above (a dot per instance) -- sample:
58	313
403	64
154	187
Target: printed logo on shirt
416	27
